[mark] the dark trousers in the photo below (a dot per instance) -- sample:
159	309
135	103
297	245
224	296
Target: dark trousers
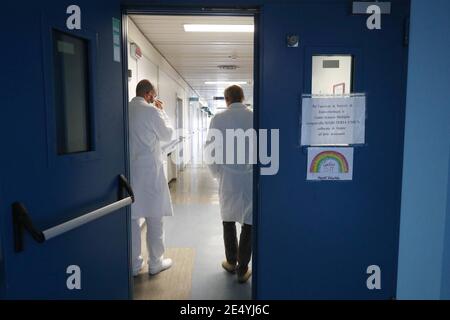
235	253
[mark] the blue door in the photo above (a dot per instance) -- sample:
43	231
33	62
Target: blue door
64	150
324	240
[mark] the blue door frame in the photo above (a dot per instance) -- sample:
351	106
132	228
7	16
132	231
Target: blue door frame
250	12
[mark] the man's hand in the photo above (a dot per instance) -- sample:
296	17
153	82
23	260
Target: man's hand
159	104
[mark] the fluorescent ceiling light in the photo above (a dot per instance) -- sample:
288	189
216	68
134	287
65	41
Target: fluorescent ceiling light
225	82
219	28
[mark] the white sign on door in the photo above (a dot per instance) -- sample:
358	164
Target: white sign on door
116	39
333	120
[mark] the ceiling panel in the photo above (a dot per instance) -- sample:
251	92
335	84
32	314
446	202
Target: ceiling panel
197	56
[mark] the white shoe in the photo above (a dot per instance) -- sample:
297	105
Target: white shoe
137	270
165	264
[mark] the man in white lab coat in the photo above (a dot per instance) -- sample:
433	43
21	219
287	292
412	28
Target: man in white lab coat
235	185
149	125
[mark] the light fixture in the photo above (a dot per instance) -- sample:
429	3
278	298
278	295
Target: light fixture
219	28
225	82
228	67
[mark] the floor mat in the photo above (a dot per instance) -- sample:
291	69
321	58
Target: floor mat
172	284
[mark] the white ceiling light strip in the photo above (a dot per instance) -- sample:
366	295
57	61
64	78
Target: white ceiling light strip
219	28
225	82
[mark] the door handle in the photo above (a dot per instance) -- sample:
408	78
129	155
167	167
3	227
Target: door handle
22	220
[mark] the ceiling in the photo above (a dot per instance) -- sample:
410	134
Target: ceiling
197	56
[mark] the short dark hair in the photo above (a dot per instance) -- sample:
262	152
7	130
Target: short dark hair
144	87
234	94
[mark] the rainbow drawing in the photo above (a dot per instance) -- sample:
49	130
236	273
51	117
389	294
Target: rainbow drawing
329	156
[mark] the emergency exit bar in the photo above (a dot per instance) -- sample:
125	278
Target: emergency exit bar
22	220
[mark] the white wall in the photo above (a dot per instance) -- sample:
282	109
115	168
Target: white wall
169	84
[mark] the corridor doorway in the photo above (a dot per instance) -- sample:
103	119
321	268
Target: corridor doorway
190	71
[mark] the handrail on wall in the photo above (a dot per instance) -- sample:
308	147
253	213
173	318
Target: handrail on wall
22	221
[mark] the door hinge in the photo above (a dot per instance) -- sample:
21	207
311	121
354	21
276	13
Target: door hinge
406	33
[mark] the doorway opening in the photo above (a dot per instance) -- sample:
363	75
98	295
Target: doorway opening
190	64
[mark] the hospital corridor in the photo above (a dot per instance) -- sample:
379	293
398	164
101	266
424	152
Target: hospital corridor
194	241
190	71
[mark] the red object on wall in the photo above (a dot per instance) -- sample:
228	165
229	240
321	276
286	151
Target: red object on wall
339	85
138	52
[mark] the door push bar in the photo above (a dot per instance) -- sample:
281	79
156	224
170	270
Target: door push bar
22	221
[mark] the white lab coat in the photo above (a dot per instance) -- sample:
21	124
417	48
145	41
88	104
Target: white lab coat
235	180
148	127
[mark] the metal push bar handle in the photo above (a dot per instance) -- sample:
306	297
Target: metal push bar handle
84	219
22	220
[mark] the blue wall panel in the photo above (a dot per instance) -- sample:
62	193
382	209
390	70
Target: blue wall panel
426	158
445	294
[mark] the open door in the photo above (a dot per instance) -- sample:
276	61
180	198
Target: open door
67	154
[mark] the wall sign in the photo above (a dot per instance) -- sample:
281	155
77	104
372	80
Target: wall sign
333	120
374	9
330	164
360	7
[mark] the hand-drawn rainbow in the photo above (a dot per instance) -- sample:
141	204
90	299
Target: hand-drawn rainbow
323	157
